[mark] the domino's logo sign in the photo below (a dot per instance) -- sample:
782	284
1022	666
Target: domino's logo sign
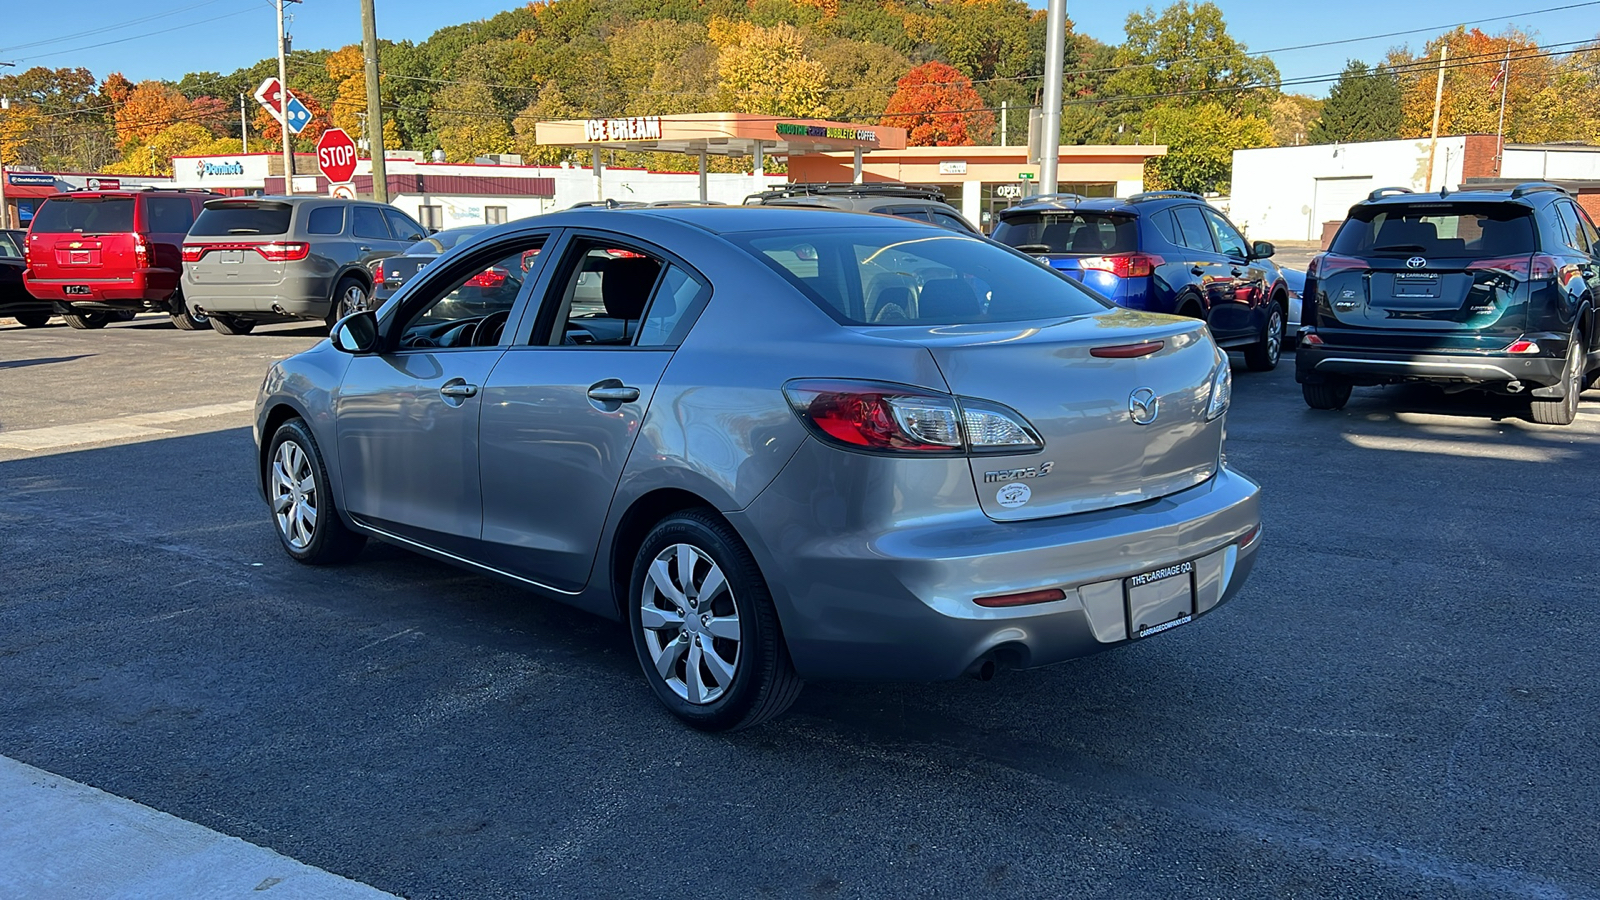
227	168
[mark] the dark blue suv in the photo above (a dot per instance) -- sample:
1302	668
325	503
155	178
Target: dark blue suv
1491	290
1162	251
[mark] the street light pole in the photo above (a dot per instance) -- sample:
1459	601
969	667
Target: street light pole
1055	60
5	211
283	107
369	49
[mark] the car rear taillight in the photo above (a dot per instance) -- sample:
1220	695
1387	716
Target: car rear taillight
377	274
875	416
488	278
194	252
1534	267
1311	339
1123	265
1523	346
1325	264
283	251
141	251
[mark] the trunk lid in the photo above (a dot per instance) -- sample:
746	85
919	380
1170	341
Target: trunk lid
89	237
1095	455
227	233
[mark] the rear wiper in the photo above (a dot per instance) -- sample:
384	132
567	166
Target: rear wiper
1032	248
1414	248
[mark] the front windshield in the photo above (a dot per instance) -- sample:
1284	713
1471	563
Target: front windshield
914	276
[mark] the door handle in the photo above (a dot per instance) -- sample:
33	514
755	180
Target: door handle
459	390
614	393
365	249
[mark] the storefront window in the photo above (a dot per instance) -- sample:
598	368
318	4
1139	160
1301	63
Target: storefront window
998	196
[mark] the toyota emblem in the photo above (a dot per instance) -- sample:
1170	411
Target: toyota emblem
1416	262
1143	406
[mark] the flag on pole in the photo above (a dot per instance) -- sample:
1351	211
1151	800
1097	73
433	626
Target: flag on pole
1499	74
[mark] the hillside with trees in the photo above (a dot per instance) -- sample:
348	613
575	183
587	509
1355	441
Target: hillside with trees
941	68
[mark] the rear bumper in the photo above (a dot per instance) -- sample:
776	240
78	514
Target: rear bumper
1314	365
293	297
133	291
898	605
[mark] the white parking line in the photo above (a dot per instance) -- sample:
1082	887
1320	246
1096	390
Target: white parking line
142	425
62	839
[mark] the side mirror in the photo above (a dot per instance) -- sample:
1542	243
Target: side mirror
1262	250
356	333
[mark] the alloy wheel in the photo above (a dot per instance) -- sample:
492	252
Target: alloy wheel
353	300
691	623
294	495
1274	335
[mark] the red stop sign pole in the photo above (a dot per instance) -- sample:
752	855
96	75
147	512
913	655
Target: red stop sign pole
336	156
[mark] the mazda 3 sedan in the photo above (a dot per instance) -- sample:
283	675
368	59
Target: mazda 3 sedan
780	444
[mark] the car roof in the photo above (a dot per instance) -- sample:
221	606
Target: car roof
1530	194
736	219
1131	206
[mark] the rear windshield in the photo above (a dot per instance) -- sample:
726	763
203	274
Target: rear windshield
906	276
60	215
1438	230
439	243
1078	232
219	221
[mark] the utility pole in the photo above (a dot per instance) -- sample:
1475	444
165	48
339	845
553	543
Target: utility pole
1005	107
369	49
283	105
1055	52
244	128
5	211
1500	130
1438	100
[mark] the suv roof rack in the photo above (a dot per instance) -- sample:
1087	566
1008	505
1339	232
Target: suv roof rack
864	189
1158	195
1383	192
1534	187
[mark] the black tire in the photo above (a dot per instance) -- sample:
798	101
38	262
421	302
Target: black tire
230	325
326	540
763	683
349	295
183	318
33	319
88	320
1263	355
1565	410
1327	395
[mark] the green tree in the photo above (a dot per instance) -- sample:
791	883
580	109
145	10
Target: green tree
550	105
1185	55
468	124
1363	105
1200	141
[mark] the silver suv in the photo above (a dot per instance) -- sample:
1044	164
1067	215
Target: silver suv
264	259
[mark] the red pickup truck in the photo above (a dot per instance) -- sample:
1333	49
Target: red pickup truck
101	254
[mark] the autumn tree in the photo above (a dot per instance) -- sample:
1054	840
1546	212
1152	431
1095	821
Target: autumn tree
1292	117
765	70
150	108
1363	105
468	124
939	108
1536	109
1200	141
549	106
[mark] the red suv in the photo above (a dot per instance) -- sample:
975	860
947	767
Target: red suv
98	254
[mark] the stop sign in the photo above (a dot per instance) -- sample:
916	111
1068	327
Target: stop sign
336	156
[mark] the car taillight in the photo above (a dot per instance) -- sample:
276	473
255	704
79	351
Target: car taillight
377	273
488	278
1523	346
1534	267
1326	264
893	418
194	252
1311	339
1123	265
283	251
141	251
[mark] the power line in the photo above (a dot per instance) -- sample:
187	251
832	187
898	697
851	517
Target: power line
105	28
136	37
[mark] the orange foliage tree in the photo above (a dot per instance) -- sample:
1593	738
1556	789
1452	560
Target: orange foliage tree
150	108
939	107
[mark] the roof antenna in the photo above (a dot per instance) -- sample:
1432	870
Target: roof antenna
1444	191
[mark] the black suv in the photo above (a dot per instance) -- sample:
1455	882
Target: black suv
924	203
1483	289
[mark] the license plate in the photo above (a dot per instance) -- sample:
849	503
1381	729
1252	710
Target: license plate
1160	599
230	256
75	289
1416	284
77	257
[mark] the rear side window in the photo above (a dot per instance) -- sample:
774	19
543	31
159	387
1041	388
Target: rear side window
168	215
907	276
949	221
325	220
1193	232
1437	230
367	222
59	215
1576	239
242	218
1078	232
404	229
8	247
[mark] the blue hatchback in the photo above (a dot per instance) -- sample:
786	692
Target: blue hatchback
1162	251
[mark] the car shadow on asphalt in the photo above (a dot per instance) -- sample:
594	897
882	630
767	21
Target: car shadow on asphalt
40	361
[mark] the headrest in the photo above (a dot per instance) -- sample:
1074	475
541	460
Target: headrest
625	285
1088	239
1408	231
948	298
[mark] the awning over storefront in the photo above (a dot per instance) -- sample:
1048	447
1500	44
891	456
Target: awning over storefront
719	134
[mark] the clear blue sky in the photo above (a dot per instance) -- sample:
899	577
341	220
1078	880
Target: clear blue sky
222	35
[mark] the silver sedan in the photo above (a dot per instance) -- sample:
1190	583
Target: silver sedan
780	444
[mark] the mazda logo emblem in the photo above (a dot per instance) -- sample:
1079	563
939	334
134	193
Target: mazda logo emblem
1143	406
1416	262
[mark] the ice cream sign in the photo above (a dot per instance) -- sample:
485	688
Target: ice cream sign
626	128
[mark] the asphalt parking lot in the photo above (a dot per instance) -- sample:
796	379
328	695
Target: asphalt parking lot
1400	703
